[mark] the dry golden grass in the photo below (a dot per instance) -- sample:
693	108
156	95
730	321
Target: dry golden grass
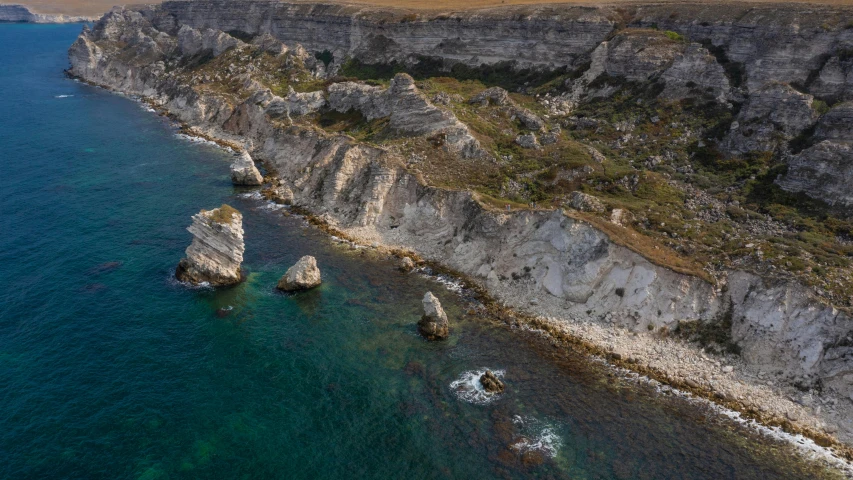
224	214
98	7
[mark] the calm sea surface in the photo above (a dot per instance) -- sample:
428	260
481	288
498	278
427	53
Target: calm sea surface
109	369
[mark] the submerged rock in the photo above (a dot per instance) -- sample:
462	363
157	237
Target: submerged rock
433	325
303	275
491	383
244	172
216	252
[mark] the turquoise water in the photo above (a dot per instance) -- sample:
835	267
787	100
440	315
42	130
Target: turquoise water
110	369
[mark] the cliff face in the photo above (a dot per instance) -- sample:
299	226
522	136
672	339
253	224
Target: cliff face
738	50
575	272
21	14
216	252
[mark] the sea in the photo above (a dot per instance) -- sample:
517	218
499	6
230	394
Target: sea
111	369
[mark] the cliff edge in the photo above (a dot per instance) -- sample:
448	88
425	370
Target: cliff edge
687	126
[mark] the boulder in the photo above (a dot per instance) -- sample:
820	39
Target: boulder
585	203
244	172
407	264
621	217
491	383
303	275
433	325
527	140
494	95
216	252
528	119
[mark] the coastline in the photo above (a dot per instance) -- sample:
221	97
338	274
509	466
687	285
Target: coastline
667	360
671	362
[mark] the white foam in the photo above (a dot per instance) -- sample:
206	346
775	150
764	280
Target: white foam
273	206
251	195
468	387
203	141
538	436
806	446
450	283
63	96
200	286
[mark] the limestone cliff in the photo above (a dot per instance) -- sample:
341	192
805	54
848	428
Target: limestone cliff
563	259
21	14
216	252
732	51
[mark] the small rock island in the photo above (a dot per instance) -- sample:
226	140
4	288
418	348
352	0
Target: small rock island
216	252
433	325
491	383
303	275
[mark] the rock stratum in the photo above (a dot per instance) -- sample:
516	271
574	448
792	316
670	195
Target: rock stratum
433	325
216	252
20	14
672	98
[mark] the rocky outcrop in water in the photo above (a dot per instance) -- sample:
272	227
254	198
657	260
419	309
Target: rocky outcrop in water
244	172
433	324
216	252
303	275
491	383
22	14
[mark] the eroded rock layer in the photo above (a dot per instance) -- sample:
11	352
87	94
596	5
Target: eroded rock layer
216	252
574	271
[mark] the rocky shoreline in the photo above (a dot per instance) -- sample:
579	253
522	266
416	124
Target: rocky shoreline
563	275
669	364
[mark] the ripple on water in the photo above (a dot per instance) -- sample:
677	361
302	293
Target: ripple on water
468	387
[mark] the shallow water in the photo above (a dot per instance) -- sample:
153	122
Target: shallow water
110	369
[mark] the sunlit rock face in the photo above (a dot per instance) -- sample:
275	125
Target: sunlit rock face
216	252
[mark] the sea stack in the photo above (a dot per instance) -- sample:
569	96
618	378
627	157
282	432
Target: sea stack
244	172
303	275
433	325
491	383
215	255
